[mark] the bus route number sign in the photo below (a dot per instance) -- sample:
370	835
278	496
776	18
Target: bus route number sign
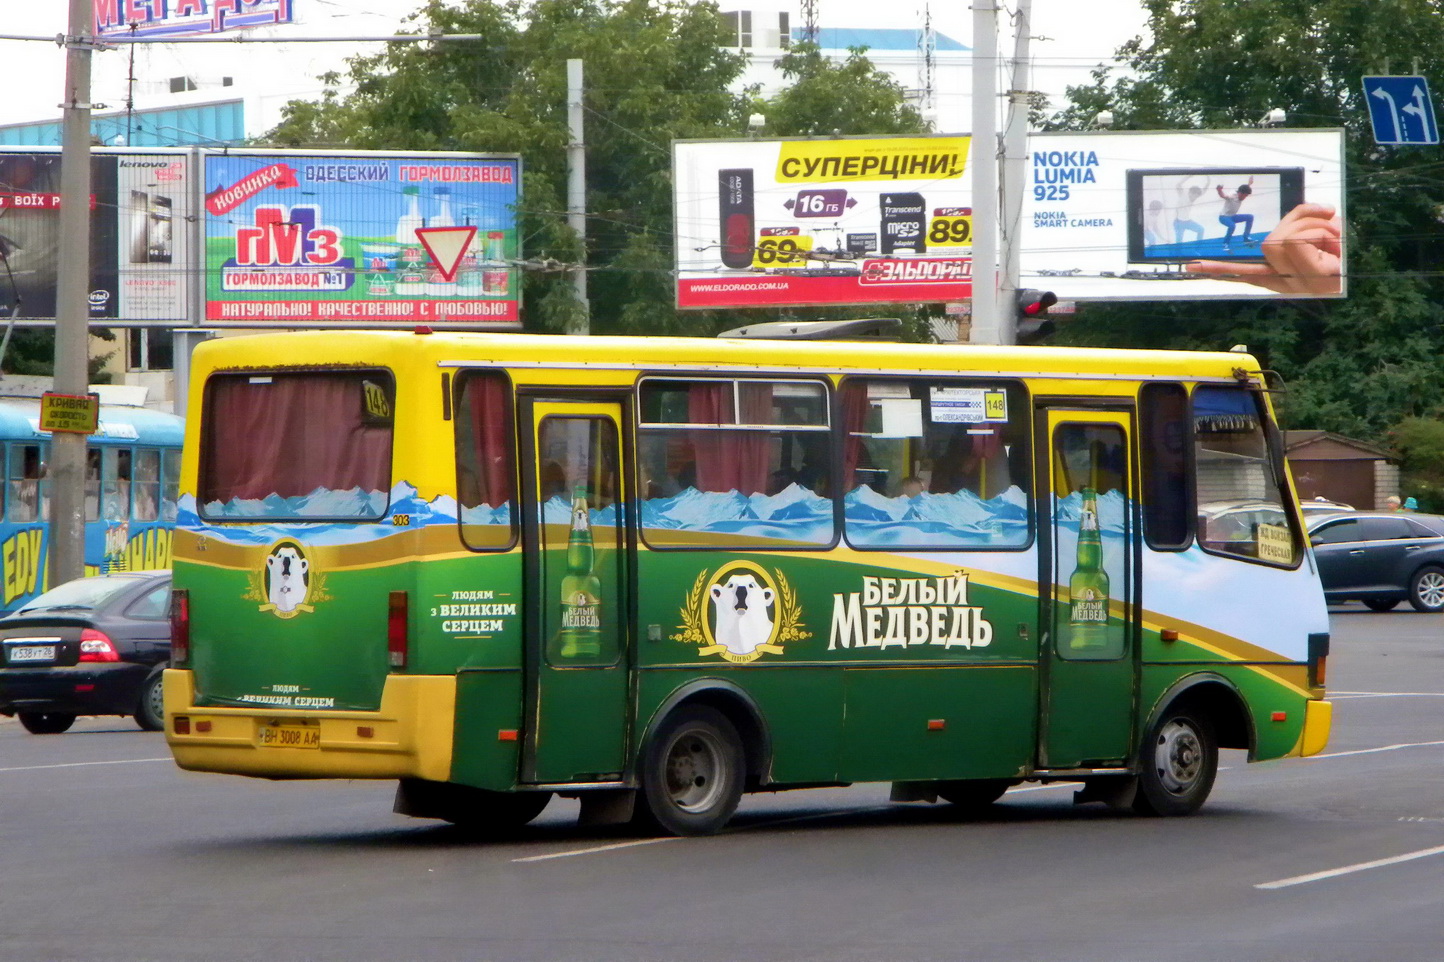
70	413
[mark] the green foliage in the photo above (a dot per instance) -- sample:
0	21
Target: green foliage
1420	445
1355	366
31	352
655	71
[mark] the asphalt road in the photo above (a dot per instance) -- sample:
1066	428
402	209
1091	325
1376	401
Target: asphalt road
107	851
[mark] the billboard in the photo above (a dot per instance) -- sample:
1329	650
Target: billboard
139	248
134	19
305	238
1177	215
842	220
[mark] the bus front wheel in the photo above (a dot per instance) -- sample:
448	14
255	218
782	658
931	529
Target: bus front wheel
692	773
1178	765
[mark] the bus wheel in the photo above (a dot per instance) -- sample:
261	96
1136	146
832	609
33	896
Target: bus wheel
150	711
974	796
1178	765
46	722
692	773
473	809
1426	589
1381	604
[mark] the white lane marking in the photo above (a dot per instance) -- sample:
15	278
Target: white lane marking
1386	694
1372	751
598	848
1350	869
118	761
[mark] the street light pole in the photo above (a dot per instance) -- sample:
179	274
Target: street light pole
66	470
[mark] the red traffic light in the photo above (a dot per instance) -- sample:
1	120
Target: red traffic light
1033	303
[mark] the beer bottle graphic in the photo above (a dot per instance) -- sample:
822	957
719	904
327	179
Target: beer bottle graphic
581	624
1088	588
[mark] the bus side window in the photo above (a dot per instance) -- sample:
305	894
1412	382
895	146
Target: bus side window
170	484
485	465
1163	421
115	483
24	490
146	486
93	458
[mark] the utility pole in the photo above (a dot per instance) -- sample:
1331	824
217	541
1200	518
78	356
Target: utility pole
577	191
984	158
1015	156
72	316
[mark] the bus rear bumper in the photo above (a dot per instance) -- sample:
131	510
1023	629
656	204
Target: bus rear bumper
1318	719
410	736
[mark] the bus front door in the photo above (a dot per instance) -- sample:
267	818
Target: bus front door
1089	565
574	540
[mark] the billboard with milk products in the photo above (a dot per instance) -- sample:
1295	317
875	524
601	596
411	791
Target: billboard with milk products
1180	215
842	220
315	238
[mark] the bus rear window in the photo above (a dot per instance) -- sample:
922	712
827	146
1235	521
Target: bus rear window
297	445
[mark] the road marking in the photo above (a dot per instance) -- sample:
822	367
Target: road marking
119	761
1350	869
1372	751
1386	694
598	848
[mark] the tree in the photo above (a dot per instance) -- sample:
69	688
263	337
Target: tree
1355	366
656	70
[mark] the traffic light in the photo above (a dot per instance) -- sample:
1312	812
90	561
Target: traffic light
1033	323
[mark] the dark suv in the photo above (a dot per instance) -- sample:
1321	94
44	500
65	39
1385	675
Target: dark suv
1381	559
93	646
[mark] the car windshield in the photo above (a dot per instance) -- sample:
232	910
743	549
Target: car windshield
81	594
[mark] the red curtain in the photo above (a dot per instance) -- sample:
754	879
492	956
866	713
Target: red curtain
291	434
486	402
730	459
854	420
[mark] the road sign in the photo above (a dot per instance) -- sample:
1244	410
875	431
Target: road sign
447	246
1401	110
71	413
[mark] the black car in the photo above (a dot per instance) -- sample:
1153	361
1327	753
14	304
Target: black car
94	646
1381	559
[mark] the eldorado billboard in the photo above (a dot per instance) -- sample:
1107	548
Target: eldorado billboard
139	246
131	19
1175	215
304	237
822	221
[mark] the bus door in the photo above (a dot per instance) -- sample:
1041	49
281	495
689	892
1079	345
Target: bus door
574	540
1088	586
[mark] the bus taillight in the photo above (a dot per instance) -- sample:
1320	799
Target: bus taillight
396	630
180	626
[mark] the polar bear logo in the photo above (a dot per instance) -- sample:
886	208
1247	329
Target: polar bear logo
742	616
288	577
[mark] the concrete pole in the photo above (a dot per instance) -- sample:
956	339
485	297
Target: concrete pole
1014	175
66	470
577	190
983	155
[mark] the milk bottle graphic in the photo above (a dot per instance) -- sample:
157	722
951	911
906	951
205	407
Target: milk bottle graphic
436	284
411	268
468	277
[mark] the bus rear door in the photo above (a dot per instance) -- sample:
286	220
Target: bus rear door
574	536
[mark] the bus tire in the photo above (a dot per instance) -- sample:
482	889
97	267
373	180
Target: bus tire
1426	589
150	710
472	809
973	796
46	722
692	773
1381	604
1177	765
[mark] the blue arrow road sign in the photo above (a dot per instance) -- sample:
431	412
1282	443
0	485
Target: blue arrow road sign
1401	110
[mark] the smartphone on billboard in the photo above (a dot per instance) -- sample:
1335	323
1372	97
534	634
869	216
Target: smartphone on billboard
1207	213
160	229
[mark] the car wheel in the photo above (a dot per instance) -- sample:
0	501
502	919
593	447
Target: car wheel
691	773
1381	604
1177	766
46	722
1426	589
150	712
471	809
974	796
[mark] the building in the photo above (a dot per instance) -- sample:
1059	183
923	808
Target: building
1343	469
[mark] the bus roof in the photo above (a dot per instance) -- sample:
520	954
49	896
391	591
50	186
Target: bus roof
119	424
600	352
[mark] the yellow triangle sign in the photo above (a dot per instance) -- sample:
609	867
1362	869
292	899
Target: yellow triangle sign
447	246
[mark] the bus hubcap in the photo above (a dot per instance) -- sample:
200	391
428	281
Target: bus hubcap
1178	757
693	765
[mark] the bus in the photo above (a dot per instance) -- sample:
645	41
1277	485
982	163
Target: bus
132	475
654	574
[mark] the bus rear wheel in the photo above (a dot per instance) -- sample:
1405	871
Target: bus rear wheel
691	773
1178	765
975	796
473	809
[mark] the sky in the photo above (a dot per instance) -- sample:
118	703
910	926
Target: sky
1071	38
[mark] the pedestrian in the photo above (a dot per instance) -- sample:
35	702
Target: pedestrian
1394	502
1411	505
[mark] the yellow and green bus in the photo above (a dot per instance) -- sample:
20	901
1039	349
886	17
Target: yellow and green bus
657	573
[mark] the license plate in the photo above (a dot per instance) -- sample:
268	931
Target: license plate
289	736
25	653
